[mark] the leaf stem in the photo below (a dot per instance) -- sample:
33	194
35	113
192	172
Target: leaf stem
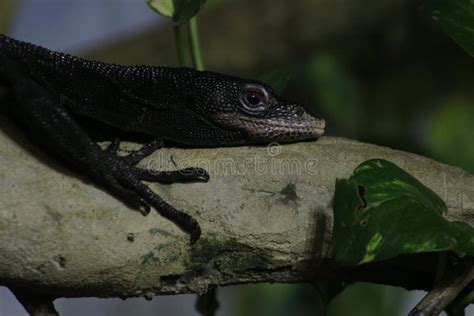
179	40
194	44
207	303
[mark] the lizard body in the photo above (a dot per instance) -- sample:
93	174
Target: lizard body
60	98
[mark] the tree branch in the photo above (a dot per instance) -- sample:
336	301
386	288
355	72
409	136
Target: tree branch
265	216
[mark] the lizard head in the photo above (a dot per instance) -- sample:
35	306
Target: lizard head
252	109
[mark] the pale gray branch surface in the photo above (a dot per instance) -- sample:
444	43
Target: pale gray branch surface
265	216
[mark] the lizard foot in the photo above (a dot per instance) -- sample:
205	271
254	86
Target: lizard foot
136	156
123	179
52	123
165	177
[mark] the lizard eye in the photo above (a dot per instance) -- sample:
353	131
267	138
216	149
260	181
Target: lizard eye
254	98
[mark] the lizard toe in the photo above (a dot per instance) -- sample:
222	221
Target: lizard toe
136	156
129	197
113	147
175	176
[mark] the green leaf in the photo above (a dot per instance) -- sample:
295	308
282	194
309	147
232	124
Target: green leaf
456	17
277	79
180	11
163	7
381	212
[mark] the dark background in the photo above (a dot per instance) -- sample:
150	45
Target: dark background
377	71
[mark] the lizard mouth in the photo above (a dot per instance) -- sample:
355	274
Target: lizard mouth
261	130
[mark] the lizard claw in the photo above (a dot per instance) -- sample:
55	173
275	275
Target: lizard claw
113	147
144	208
124	182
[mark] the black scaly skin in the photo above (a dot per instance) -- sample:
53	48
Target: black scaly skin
61	99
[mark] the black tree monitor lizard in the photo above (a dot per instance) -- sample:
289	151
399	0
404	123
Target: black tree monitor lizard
60	99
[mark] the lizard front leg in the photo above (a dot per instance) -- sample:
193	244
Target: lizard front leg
50	124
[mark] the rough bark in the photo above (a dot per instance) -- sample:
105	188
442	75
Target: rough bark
265	215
